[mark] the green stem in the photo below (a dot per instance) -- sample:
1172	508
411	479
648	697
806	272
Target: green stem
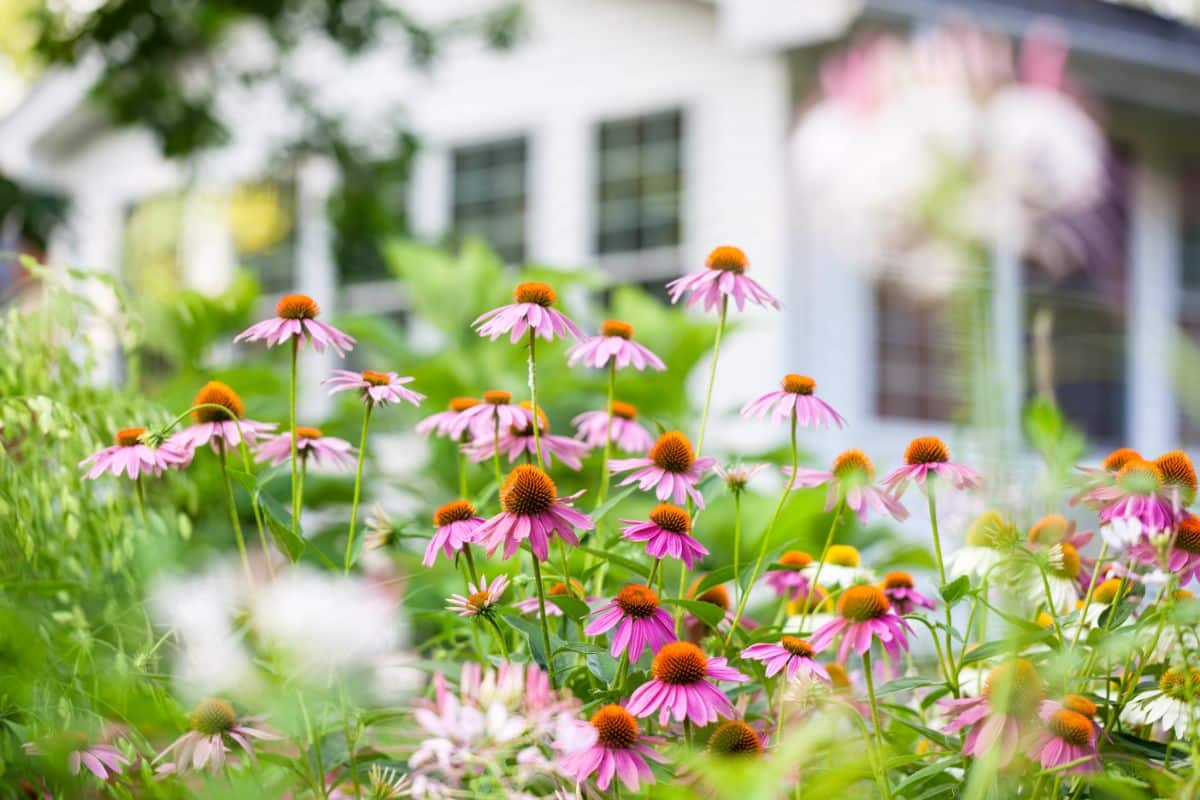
712	375
1087	601
815	585
622	666
1050	606
503	644
537	444
470	559
362	452
654	572
295	460
496	449
315	738
141	498
737	545
612	384
951	669
884	783
233	514
462	474
541	596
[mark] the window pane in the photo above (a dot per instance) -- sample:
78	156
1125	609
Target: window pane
489	195
1189	303
639	183
915	356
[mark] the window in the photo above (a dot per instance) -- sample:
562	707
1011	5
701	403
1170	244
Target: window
262	225
1189	305
489	195
915	356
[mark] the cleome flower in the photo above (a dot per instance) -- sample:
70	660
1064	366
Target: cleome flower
131	455
671	469
723	277
591	427
219	423
216	729
619	749
639	620
533	310
296	318
680	686
614	345
531	510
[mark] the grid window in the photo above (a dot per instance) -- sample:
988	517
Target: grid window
1189	306
639	187
490	195
915	356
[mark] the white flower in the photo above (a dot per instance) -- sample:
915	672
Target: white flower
1161	710
1121	533
974	561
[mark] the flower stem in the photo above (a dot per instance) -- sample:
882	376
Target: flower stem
541	596
884	784
295	460
612	385
622	666
766	537
712	375
462	474
537	444
496	449
1087	601
470	559
737	545
500	639
141	498
816	581
256	506
362	452
951	670
233	514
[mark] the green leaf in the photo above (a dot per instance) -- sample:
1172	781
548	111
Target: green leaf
621	561
904	685
573	607
717	576
985	651
279	520
601	511
955	590
603	667
707	613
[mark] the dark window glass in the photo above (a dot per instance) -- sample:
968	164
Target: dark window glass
639	188
490	195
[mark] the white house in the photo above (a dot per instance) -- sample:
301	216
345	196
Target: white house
637	134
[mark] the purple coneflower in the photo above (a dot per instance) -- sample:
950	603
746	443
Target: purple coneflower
496	411
791	654
1183	558
456	525
790	582
378	388
642	622
724	276
532	311
102	760
864	615
737	476
442	423
222	426
926	457
1143	500
670	468
531	509
734	739
310	444
482	598
131	456
1003	716
619	750
296	317
520	440
851	478
215	726
901	592
1069	736
627	433
796	396
615	343
680	686
666	534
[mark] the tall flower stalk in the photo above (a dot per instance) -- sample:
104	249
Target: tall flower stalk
358	473
297	485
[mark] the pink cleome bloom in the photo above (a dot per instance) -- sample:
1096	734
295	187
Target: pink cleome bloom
296	317
223	427
482	598
796	397
531	510
378	388
1003	716
614	344
792	654
131	456
724	276
851	478
901	592
488	419
532	311
456	525
864	615
619	750
666	534
680	687
442	423
925	458
1070	735
670	468
215	726
641	622
519	440
592	427
311	444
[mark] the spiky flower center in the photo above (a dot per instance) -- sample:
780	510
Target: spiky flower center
796	646
615	727
213	716
1118	458
1015	687
497	397
480	601
624	410
303	432
926	450
863	602
853	465
1070	726
727	258
1187	536
460	404
616	327
671	518
535	292
1067	564
454	511
986	530
838	675
798	384
527	491
637	601
1177	470
795	558
1107	591
734	738
898	580
1139	477
673	452
844	555
215	393
297	306
376	378
679	664
128	437
1179	684
1049	529
1080	705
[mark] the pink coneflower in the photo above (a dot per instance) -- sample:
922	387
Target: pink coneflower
296	317
902	593
851	478
666	534
456	525
1069	736
1136	505
215	727
1183	558
223	426
496	410
734	739
790	582
532	311
531	509
619	750
1003	716
311	444
627	433
864	615
378	388
519	440
102	760
1104	475
795	397
131	456
791	654
926	457
724	276
482	598
615	343
530	604
642	622
737	476
680	686
442	423
670	468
